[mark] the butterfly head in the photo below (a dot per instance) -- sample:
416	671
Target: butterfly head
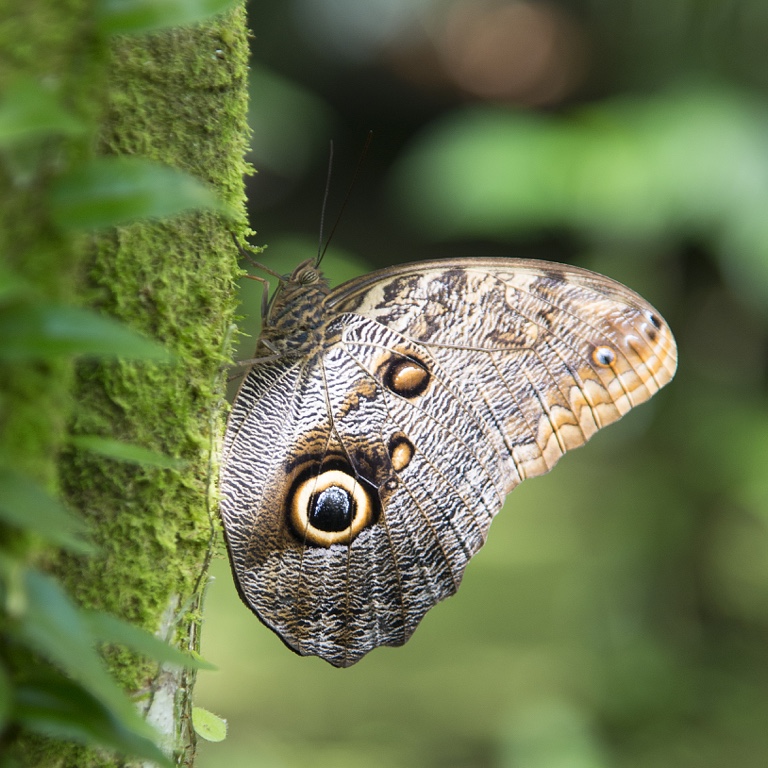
306	273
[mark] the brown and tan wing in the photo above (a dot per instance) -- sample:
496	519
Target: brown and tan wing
546	354
357	483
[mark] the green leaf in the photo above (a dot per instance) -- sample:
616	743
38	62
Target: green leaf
110	629
107	191
29	110
207	725
132	454
134	16
52	705
35	331
56	629
24	504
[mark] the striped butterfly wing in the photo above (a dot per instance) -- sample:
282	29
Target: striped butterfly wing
360	478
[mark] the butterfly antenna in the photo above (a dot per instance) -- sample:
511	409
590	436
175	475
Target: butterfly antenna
320	249
359	165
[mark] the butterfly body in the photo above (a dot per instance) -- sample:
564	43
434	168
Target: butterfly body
383	423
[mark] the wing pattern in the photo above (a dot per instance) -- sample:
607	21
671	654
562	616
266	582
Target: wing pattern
430	393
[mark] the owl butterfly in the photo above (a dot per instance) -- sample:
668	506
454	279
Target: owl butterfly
383	422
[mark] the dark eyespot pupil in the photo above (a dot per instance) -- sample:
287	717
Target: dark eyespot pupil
655	321
604	356
332	510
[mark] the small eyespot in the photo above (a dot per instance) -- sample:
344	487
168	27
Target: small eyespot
655	321
651	333
401	452
406	376
605	357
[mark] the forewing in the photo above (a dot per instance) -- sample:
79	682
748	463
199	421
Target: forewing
543	354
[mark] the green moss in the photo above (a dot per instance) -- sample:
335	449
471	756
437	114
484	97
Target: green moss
161	279
172	99
178	97
40	40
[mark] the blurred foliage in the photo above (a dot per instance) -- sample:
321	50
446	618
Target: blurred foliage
618	616
690	163
108	191
53	680
118	17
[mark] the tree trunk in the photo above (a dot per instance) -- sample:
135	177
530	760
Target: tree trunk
178	97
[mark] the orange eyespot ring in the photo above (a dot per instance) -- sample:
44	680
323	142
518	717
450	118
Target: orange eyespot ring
605	357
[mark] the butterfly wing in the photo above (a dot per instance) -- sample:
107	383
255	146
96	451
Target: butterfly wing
359	481
549	352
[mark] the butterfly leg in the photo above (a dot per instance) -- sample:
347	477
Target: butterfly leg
264	295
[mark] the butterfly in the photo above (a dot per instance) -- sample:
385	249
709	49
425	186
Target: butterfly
382	423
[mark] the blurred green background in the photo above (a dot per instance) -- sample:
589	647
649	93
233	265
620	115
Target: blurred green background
618	616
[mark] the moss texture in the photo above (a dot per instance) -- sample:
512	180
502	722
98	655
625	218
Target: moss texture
178	97
41	39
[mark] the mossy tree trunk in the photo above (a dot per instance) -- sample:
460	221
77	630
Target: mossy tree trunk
178	97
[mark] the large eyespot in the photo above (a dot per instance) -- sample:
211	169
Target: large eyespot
331	507
405	376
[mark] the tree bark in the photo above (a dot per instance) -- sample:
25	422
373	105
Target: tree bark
178	97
